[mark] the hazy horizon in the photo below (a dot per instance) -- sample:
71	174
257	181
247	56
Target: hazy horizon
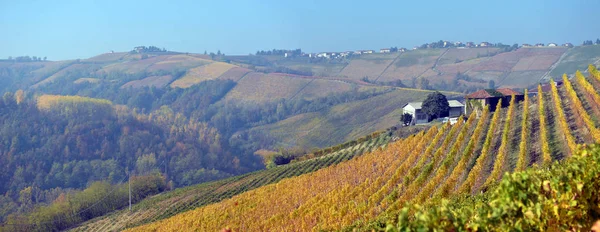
71	29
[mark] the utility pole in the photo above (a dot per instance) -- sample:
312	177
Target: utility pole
129	177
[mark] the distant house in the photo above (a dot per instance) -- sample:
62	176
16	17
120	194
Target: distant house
552	45
402	50
490	97
484	44
456	108
344	54
139	49
419	117
360	52
539	45
415	48
385	50
532	92
526	45
569	45
458	44
470	44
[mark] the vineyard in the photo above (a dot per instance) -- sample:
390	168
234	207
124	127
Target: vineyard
185	199
466	158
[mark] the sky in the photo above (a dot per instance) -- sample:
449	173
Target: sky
80	29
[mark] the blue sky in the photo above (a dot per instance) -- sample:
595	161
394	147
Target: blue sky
80	29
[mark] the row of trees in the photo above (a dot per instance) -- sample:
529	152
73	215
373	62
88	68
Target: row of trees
590	42
71	143
279	52
26	58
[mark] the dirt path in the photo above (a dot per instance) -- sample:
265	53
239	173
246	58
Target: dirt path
388	66
546	75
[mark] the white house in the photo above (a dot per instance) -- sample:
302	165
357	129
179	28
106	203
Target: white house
414	108
419	117
456	108
385	50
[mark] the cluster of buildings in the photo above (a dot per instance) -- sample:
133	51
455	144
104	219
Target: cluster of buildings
440	44
472	102
569	45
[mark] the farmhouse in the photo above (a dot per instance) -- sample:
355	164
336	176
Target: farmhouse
490	97
484	44
539	45
419	117
385	50
470	44
532	92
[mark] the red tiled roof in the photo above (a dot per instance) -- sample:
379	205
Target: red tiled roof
479	94
508	92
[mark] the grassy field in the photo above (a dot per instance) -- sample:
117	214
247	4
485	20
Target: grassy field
458	55
73	68
152	81
87	80
234	74
320	87
260	87
520	79
577	58
203	73
411	64
345	121
368	65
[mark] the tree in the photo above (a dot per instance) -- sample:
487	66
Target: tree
491	84
406	119
436	105
597	41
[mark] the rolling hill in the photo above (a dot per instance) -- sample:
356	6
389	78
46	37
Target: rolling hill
245	107
466	158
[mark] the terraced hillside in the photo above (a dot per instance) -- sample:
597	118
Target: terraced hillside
466	158
185	199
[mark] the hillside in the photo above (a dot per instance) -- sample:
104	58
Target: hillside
53	145
452	69
467	158
199	118
196	196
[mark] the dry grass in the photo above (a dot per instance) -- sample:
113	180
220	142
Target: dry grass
108	57
411	64
260	87
367	66
234	74
86	80
153	81
459	54
203	73
321	88
178	62
75	68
